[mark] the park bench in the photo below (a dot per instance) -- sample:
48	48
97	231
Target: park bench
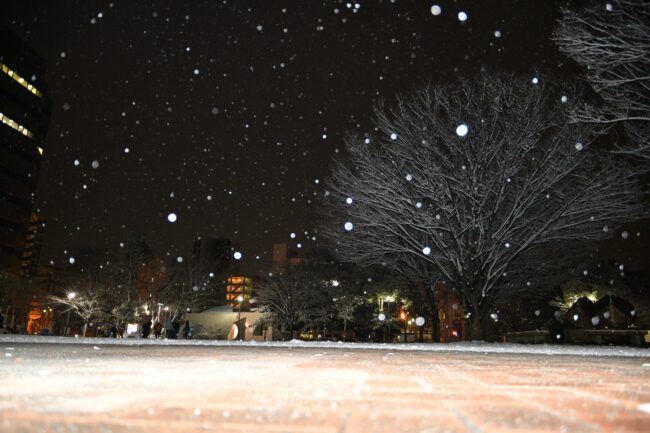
635	337
527	337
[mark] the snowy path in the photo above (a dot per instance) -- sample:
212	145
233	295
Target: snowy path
296	387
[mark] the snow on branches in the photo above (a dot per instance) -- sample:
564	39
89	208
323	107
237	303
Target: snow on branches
514	182
612	42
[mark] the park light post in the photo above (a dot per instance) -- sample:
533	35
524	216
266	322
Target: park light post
389	299
240	299
240	328
71	296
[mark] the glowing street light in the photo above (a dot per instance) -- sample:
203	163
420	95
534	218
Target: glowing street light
240	299
71	296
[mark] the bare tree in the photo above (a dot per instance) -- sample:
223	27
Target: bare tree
85	297
612	42
189	287
290	300
345	306
462	181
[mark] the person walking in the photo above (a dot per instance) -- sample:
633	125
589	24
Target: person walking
157	329
176	327
187	330
146	328
169	328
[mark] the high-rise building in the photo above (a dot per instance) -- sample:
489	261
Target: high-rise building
284	258
33	243
24	119
212	254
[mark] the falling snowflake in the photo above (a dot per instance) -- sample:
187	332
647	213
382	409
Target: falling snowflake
436	10
348	226
462	130
171	217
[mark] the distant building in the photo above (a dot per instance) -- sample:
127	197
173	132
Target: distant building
239	287
24	120
214	255
284	258
33	243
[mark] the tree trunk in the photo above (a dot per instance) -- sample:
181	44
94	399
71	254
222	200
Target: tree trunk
435	319
84	330
477	326
435	326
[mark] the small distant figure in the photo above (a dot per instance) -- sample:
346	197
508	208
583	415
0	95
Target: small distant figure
157	329
168	327
187	330
113	332
176	328
146	329
121	328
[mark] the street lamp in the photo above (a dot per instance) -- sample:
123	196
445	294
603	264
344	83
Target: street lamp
389	299
71	296
240	329
240	299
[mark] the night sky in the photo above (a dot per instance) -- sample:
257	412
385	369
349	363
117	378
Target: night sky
227	113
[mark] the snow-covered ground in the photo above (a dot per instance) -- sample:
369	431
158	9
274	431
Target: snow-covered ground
467	347
55	384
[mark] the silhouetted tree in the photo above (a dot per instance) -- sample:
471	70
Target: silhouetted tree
612	42
465	182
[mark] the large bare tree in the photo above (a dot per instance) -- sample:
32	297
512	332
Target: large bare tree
87	297
465	182
190	287
612	42
293	300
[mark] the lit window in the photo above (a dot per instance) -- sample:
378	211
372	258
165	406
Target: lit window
12	124
20	80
